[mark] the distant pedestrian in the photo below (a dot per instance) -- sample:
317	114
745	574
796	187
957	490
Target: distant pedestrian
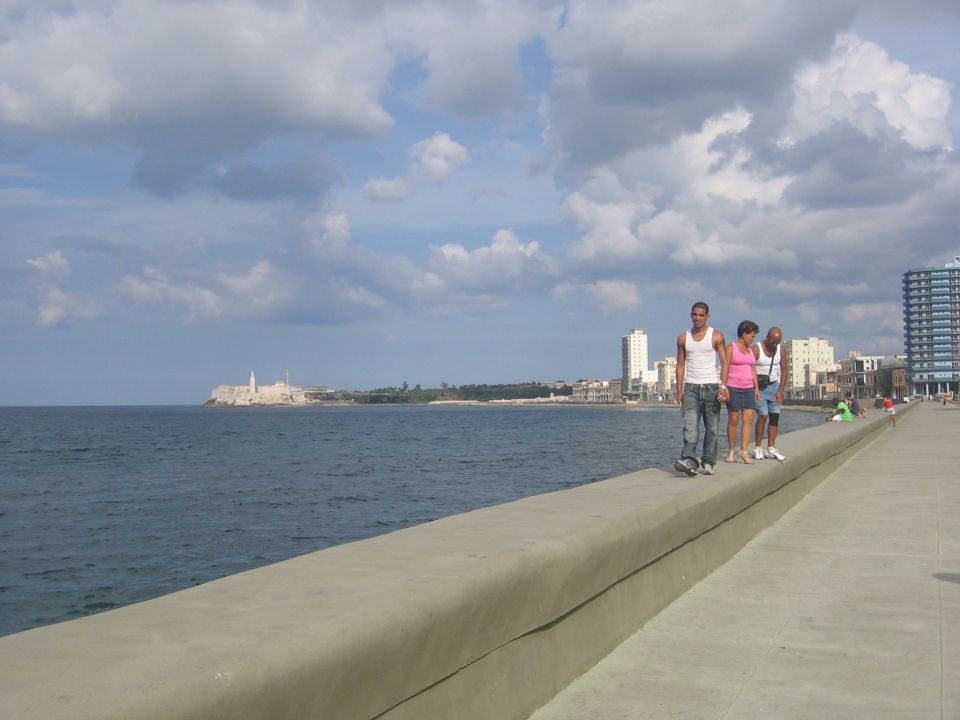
699	391
771	371
740	376
841	414
890	410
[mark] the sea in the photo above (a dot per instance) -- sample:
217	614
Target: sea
101	507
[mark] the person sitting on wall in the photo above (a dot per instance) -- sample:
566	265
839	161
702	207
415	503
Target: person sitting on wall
841	414
854	406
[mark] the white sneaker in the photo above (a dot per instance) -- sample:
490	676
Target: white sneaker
758	453
772	452
707	469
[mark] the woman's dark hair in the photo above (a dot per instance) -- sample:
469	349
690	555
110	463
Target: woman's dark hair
747	326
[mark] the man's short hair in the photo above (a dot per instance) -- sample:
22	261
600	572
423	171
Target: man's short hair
701	305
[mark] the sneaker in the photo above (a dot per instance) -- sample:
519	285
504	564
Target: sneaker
707	469
685	466
758	453
772	452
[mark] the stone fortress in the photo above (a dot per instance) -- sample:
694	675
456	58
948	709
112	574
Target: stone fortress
280	393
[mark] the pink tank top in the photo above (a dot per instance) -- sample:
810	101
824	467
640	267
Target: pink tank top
740	374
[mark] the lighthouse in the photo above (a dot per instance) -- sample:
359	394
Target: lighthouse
253	382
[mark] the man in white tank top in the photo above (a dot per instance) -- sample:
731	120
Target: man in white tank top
772	364
699	390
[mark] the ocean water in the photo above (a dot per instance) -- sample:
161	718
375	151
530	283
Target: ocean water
102	507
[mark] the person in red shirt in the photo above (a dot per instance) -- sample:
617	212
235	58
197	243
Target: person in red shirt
890	410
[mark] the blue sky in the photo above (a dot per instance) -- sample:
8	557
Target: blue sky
369	193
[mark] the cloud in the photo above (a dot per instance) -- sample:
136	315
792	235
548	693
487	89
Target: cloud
860	85
634	74
505	265
438	156
24	197
253	70
470	52
434	159
54	305
53	265
153	287
303	180
384	189
614	295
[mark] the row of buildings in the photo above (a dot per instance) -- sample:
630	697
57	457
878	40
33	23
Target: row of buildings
812	374
929	366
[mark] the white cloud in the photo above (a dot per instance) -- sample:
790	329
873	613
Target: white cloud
386	189
438	156
503	264
861	85
54	305
153	287
614	295
434	160
53	265
471	51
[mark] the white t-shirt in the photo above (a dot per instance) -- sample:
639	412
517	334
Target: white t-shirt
701	360
763	363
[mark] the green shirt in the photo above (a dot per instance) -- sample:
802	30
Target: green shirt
846	415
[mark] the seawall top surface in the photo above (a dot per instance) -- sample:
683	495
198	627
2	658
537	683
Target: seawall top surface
849	606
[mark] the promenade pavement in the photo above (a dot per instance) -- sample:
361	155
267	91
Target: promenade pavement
848	607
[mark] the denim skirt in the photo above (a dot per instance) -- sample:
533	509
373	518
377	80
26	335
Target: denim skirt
741	399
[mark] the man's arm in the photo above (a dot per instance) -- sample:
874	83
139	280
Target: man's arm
720	347
681	364
783	375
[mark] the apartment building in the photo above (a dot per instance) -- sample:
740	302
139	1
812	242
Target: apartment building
931	328
635	364
806	357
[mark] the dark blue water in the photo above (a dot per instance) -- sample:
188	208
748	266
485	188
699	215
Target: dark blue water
102	507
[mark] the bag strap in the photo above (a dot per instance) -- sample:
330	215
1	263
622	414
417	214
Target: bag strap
772	358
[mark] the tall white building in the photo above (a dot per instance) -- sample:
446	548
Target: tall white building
636	362
806	356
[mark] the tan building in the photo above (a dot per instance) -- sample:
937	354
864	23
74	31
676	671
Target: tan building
667	378
805	358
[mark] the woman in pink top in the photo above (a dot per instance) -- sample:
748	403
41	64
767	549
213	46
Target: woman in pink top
740	379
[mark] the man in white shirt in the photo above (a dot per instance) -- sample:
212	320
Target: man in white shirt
771	369
699	390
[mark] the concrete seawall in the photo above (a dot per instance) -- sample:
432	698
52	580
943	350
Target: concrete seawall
482	615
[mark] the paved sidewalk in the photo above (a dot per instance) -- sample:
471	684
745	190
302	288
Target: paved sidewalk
848	607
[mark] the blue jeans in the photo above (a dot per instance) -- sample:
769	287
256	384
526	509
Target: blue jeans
700	402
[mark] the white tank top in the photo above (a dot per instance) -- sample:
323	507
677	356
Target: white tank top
763	363
701	364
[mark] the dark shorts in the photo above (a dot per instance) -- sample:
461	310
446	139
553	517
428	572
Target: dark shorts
741	399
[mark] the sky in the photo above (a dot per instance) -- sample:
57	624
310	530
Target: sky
367	193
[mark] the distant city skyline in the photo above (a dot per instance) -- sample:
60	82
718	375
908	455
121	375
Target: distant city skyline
478	192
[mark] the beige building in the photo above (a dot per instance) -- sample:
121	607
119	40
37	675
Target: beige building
667	378
806	357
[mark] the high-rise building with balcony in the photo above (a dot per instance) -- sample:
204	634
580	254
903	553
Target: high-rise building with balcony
636	363
931	328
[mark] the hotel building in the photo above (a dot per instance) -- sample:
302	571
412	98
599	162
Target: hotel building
636	364
931	328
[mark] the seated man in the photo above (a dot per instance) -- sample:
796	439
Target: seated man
854	406
841	414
